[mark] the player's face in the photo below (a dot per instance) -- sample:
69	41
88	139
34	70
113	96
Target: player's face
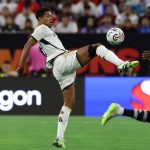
47	19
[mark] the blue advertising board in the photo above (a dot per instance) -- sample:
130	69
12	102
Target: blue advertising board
129	92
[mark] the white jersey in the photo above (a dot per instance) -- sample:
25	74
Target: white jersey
50	44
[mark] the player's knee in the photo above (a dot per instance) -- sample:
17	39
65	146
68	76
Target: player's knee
92	49
70	103
96	45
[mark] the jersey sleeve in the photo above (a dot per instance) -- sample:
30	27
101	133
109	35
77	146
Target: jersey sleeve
39	33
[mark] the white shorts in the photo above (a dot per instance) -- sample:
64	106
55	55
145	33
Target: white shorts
64	68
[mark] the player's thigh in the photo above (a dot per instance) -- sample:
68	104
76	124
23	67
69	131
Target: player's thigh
86	53
67	63
64	80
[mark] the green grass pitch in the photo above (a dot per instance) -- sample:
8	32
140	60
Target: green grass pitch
84	133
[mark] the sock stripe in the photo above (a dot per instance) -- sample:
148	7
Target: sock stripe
148	116
135	114
145	115
140	115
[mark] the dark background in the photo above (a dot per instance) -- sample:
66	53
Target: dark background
51	95
138	41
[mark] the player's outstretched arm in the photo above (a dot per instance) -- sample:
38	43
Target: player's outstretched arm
25	54
146	55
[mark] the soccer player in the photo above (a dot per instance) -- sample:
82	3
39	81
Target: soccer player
117	110
64	64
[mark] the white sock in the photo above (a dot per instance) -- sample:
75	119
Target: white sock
63	121
120	110
108	55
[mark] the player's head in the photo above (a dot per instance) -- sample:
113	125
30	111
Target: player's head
6	66
44	16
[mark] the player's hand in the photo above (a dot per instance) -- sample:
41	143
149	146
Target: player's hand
146	55
20	70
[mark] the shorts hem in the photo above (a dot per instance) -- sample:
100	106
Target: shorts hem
79	60
66	86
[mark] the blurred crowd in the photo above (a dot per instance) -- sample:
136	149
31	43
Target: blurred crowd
77	16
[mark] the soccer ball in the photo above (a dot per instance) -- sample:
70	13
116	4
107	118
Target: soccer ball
115	36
